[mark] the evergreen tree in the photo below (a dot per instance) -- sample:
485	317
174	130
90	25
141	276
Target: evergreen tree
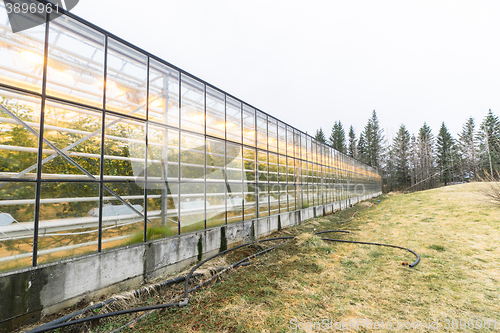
362	154
337	138
468	149
489	136
320	135
444	154
373	136
351	149
400	155
425	167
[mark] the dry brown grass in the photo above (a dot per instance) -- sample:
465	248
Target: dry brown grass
455	232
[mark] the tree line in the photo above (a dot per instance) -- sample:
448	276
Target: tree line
423	160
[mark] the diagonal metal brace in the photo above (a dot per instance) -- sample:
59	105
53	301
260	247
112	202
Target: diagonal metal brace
67	158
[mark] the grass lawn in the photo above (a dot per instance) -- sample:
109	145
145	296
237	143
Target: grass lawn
455	231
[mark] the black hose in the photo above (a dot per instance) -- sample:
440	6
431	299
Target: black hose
415	263
59	322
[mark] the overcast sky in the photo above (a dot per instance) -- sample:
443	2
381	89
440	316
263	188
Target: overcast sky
312	63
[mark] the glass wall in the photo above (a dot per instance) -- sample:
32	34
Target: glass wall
133	149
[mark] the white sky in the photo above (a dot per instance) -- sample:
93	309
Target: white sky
312	63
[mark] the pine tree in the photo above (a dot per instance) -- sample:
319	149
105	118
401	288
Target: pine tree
468	150
351	148
489	136
362	154
320	135
425	143
400	153
373	139
337	138
445	154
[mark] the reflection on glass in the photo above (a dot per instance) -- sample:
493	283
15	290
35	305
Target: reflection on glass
192	157
126	80
192	104
235	201
19	147
69	220
216	204
283	198
162	212
274	194
281	138
77	133
261	130
291	197
233	120
163	154
163	94
282	177
233	162
273	167
263	200
124	149
249	164
75	70
272	133
249	129
215	160
192	206
262	166
17	208
250	201
22	55
122	214
215	113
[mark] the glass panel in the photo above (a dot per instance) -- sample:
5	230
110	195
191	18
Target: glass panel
215	113
290	170
248	126
192	207
216	204
163	154
282	169
17	208
262	166
303	149
235	201
163	94
289	142
250	202
124	149
69	220
233	120
273	167
283	198
281	138
192	157
272	132
192	104
263	200
122	214
126	80
77	133
22	55
233	162
215	160
162	211
274	195
298	197
75	69
261	130
18	146
291	197
249	164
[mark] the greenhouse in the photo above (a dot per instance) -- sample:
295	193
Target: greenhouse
103	145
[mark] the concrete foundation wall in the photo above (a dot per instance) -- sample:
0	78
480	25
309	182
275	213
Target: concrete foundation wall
28	294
